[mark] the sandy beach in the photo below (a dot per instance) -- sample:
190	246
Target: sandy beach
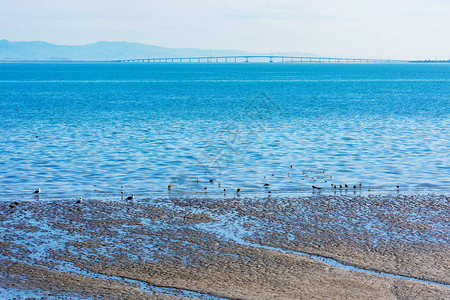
234	248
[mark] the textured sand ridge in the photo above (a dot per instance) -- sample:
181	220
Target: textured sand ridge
228	248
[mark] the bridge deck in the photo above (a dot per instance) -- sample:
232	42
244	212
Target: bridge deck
262	58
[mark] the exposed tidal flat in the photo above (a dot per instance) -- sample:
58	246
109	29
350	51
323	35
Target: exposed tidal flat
311	247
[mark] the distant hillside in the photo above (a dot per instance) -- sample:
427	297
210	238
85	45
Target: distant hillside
32	51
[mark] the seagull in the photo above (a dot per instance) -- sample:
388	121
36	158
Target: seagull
130	197
79	201
37	191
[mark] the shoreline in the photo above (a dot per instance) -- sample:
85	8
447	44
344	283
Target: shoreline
231	248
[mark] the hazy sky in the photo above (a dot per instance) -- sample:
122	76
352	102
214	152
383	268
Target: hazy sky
359	28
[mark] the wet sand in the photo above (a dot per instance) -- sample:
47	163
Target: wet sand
234	248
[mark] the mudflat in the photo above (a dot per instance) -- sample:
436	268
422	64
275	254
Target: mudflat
316	247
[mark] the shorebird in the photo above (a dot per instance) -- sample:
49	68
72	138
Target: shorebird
266	185
198	180
37	191
130	197
79	201
354	186
211	180
169	187
205	188
346	185
238	190
12	205
219	184
398	186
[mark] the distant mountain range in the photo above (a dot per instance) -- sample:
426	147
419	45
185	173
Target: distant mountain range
100	51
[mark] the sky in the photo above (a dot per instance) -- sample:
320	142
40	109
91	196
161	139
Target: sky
397	29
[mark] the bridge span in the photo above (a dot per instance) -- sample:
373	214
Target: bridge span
259	58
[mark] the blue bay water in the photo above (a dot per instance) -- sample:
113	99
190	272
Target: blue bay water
145	126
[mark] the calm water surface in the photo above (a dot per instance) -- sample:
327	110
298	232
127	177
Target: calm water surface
68	127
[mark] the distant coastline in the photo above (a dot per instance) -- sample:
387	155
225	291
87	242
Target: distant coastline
106	51
431	61
38	51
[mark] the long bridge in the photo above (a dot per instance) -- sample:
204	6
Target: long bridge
259	58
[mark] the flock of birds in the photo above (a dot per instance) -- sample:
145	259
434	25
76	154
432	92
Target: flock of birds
313	176
317	176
